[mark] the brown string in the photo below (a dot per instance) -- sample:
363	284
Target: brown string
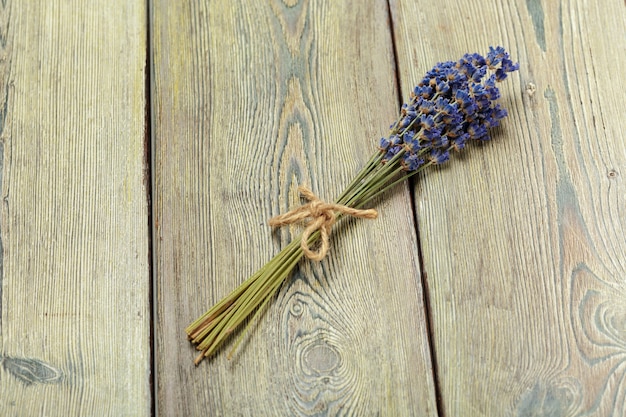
323	217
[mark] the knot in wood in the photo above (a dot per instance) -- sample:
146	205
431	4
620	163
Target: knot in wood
322	217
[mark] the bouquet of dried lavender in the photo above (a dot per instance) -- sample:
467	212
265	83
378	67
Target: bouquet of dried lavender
452	105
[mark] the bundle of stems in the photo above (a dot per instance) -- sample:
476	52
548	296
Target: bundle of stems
211	329
453	104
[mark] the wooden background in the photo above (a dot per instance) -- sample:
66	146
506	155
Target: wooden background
144	145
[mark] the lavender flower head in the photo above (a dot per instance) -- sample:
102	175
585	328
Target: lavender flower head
453	104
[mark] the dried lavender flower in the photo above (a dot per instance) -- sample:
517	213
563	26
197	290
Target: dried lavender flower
453	104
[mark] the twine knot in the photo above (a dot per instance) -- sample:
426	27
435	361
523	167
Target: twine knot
323	217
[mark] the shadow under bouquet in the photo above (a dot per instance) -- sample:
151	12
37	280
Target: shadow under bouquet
452	105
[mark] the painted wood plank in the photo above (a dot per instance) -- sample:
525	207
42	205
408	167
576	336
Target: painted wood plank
523	238
252	99
75	282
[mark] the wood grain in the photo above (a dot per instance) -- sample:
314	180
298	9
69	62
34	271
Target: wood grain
523	238
74	317
252	99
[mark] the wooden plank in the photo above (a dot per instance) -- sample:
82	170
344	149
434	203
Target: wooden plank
523	238
252	99
75	316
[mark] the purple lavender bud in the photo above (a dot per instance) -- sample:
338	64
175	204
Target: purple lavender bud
479	73
411	142
413	146
431	134
495	55
443	106
494	115
442	87
482	101
438	156
458	143
499	112
395	140
463	99
404	123
509	66
476	131
427	121
412	162
391	152
454	102
384	143
423	91
425	107
493	93
440	141
452	76
500	74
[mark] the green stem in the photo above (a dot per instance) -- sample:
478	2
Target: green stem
250	298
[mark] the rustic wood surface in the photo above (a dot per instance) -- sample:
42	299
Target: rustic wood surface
75	281
250	101
523	238
507	296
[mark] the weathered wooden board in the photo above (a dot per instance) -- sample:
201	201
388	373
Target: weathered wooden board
523	238
75	310
250	100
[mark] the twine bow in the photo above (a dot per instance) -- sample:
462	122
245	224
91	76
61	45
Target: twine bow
323	217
